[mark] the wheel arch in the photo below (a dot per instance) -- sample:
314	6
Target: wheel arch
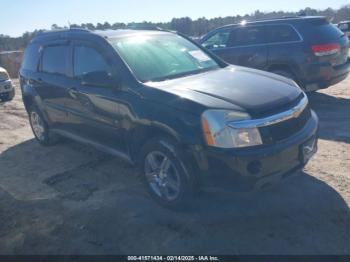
285	67
140	135
28	101
30	97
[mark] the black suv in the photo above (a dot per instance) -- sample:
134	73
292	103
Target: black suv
162	102
309	50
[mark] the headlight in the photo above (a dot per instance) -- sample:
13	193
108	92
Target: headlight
4	76
218	133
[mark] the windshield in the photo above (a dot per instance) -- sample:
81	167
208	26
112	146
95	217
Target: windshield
157	57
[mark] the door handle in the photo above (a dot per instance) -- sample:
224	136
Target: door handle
35	81
73	92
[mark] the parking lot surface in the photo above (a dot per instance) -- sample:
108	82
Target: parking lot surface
73	199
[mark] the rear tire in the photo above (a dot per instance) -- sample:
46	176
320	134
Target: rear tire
40	128
288	74
284	73
164	173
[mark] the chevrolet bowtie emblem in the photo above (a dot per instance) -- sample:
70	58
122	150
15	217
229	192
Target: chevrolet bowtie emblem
297	113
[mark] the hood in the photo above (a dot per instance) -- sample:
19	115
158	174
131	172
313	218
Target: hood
237	88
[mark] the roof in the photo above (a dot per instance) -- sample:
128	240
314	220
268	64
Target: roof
277	20
64	33
125	32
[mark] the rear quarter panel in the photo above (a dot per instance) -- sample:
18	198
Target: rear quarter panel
291	55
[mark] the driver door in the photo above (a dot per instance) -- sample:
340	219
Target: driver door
94	109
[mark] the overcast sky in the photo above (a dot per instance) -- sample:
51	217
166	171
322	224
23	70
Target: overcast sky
19	16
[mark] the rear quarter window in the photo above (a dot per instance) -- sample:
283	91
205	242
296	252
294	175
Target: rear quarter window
320	31
31	58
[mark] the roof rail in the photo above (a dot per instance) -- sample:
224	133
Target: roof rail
274	18
65	30
144	27
79	29
243	22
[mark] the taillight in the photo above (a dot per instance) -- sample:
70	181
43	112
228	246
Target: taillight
325	49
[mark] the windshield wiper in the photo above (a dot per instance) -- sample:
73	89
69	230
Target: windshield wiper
194	72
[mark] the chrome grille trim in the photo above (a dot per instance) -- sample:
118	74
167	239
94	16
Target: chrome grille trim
274	119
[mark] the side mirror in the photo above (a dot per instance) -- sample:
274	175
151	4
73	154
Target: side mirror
98	79
208	46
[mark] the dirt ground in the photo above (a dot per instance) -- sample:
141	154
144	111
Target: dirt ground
72	199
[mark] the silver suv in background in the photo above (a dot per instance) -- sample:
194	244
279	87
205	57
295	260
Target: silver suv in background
345	28
7	91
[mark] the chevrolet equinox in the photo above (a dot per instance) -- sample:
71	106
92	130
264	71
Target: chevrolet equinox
160	101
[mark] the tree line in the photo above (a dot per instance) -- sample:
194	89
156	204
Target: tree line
184	25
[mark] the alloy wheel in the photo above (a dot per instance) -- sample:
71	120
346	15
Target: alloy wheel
37	125
162	175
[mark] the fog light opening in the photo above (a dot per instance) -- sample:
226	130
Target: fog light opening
254	167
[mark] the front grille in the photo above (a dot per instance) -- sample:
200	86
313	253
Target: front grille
285	129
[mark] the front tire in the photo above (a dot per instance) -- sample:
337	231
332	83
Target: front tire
40	128
164	173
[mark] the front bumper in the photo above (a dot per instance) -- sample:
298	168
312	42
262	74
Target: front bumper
247	169
5	86
7	91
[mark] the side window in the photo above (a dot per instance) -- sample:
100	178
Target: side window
218	40
87	60
252	35
55	59
281	33
31	58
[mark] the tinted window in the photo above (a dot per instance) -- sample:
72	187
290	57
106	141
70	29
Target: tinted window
247	36
281	33
344	27
31	58
55	59
218	40
87	60
320	30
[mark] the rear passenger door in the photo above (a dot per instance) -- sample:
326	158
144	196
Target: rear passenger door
284	46
53	80
248	46
244	46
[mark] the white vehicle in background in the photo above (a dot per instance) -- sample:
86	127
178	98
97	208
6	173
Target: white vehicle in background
345	27
7	91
